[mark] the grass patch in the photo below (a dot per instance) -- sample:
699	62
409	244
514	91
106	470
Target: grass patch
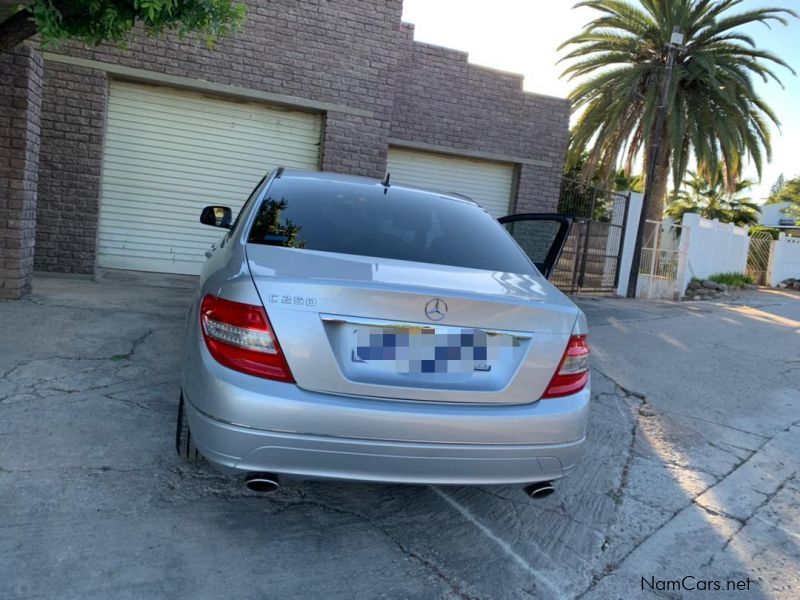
732	279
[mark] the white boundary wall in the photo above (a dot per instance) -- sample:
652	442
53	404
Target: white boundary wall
784	260
712	248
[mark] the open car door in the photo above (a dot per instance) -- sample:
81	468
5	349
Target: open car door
541	236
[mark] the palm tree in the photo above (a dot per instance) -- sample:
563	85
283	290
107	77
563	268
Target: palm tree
714	112
710	198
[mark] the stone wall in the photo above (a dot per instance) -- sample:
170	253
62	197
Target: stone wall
20	104
71	161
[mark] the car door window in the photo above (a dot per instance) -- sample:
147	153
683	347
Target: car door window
541	236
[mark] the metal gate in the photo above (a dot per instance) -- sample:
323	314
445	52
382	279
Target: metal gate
661	261
758	256
590	260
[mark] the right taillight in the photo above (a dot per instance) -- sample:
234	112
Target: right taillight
572	374
241	337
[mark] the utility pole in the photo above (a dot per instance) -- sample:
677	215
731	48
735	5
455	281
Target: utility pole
675	45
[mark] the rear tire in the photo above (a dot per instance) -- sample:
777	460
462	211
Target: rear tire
183	438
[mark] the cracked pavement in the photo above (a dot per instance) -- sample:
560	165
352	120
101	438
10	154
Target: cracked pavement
691	469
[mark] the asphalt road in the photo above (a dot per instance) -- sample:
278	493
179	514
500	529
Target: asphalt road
689	477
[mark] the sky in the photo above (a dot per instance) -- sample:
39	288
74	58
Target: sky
523	36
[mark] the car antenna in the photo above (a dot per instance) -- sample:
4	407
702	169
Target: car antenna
385	183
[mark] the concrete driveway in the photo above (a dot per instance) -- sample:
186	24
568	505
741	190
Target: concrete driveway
690	474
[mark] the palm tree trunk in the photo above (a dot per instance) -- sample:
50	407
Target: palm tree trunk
657	202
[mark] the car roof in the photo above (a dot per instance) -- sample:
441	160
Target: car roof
368	182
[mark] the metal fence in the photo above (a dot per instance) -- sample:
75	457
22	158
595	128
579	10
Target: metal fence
590	260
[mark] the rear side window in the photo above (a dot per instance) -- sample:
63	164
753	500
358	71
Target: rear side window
395	223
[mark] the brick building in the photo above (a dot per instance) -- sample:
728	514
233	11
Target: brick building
131	143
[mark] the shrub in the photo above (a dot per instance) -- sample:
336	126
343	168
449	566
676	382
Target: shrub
732	279
773	231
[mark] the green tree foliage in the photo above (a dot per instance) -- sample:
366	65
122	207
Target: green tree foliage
621	181
714	111
624	182
710	198
772	231
793	212
777	186
788	192
95	21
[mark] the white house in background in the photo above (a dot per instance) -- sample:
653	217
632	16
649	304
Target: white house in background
772	215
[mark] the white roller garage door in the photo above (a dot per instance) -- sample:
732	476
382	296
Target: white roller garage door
488	183
169	152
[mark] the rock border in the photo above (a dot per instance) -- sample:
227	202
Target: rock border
705	289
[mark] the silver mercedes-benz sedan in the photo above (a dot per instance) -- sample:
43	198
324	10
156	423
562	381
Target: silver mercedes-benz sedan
350	328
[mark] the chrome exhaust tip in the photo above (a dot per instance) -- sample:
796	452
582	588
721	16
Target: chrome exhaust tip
539	490
261	482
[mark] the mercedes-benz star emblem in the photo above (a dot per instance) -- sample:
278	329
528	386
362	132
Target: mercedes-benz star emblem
436	309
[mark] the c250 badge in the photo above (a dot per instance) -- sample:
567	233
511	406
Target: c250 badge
293	300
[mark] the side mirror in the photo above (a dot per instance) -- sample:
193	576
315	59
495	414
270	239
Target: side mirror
216	216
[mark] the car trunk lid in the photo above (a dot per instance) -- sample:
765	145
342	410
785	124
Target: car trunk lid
411	331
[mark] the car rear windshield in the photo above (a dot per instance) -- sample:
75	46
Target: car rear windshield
371	220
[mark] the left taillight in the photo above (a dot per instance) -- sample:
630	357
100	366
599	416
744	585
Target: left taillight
240	337
572	374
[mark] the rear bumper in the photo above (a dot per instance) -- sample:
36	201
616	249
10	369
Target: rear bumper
236	449
243	424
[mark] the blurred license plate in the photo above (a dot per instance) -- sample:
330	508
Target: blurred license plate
424	350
